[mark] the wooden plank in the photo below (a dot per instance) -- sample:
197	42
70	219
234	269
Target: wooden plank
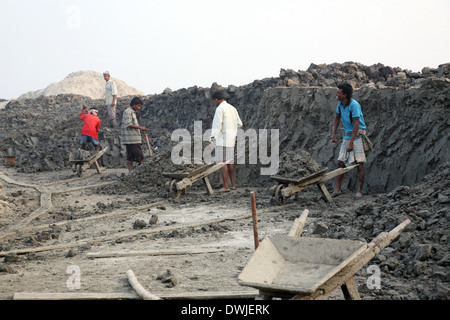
293	188
210	295
62	223
175	175
209	189
337	172
182	175
134	296
88	163
96	157
67	181
114	237
299	223
138	288
45	203
284	180
186	182
78	161
151	253
97	167
74	296
118	236
325	192
199	170
82	188
45	206
299	180
350	290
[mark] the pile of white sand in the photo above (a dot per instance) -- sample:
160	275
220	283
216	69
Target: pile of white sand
86	83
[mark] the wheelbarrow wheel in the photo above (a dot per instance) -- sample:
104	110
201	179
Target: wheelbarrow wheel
79	170
173	189
279	198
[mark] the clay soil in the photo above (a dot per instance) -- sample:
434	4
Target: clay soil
112	213
68	233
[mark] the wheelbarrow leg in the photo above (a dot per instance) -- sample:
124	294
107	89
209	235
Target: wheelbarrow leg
79	170
97	166
325	192
208	186
350	290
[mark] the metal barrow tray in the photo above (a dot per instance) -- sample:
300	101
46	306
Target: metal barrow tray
297	265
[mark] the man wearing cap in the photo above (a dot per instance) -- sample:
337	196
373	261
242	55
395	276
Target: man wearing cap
110	98
90	130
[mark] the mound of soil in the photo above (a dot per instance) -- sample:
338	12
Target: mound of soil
407	177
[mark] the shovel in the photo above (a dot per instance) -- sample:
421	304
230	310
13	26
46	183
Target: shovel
148	144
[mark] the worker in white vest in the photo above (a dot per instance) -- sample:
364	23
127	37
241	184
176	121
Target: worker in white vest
224	131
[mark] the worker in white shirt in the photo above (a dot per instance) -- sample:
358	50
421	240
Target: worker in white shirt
224	131
110	98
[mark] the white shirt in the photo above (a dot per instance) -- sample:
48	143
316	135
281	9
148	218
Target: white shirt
110	92
225	124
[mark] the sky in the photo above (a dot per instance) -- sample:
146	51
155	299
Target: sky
153	45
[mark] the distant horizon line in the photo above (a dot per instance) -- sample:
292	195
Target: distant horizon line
147	94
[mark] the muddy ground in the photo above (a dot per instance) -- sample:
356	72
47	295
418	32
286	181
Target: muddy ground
195	221
86	217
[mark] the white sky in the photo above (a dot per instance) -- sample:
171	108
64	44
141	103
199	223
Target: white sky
153	44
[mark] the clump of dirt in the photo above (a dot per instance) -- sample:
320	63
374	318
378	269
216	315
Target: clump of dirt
298	164
149	176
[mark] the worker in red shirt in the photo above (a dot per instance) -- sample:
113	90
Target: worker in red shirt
91	127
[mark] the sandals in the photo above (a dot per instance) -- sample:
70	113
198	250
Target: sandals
224	190
336	194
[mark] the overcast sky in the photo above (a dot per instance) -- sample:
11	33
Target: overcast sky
153	44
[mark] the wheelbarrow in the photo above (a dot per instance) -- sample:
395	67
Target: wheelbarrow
82	163
296	267
179	181
288	187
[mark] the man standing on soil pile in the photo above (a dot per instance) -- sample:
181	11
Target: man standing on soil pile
110	98
131	133
224	131
352	149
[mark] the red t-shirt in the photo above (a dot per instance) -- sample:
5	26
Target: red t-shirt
91	125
